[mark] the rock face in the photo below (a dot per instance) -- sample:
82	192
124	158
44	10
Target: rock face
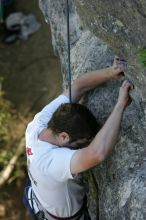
100	29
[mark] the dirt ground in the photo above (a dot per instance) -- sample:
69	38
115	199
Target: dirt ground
32	78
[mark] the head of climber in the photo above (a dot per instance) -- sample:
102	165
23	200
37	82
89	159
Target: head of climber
75	124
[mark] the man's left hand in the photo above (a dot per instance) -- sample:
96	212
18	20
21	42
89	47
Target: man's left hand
118	68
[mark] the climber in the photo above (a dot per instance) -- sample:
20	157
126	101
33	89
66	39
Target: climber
64	140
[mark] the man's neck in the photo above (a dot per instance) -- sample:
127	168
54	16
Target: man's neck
48	136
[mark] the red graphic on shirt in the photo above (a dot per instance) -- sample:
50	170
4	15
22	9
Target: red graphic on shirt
29	151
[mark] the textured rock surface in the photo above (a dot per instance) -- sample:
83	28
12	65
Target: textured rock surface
99	29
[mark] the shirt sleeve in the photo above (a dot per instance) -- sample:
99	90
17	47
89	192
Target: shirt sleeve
42	118
58	164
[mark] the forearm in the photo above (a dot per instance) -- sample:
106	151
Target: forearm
89	81
94	78
105	140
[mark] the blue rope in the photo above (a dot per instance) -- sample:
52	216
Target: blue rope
68	52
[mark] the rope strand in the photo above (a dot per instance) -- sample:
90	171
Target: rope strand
68	52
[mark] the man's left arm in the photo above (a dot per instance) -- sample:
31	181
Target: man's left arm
42	118
92	79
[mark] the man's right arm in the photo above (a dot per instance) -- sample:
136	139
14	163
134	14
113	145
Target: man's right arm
104	141
92	79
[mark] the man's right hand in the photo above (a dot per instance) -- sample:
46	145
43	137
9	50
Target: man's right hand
124	98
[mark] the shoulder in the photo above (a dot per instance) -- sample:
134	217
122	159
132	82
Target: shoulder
55	162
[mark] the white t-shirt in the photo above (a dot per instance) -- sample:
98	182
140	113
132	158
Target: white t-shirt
49	168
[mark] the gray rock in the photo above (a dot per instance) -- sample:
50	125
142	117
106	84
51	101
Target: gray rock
117	188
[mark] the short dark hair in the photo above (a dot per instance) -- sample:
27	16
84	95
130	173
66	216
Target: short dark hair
74	119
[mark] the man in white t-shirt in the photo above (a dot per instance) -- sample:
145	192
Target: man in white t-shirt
64	140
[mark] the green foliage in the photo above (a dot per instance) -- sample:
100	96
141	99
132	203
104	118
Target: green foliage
6	152
142	56
5	156
5	116
20	170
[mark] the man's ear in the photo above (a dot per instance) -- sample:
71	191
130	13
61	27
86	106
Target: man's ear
64	138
